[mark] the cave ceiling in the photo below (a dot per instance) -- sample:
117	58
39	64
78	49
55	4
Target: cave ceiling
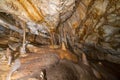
89	26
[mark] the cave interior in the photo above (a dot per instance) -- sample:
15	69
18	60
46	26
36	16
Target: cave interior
59	39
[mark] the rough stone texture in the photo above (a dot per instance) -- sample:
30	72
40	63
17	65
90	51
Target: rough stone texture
90	26
83	26
46	12
95	29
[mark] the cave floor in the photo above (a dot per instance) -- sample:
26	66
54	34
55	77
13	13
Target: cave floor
109	67
100	65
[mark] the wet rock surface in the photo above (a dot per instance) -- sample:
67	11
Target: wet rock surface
95	23
91	27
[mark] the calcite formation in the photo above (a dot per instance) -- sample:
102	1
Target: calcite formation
40	13
78	23
70	29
